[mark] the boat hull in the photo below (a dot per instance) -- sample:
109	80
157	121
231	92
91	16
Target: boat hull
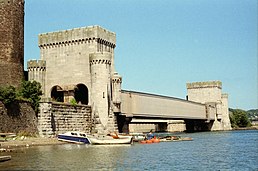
73	139
110	140
5	158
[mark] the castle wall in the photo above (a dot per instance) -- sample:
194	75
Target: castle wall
18	117
116	92
11	42
37	72
225	114
67	55
204	92
210	93
100	82
55	118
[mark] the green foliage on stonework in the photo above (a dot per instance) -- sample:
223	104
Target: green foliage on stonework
7	94
239	118
29	91
73	102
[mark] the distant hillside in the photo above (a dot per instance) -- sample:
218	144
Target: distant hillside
252	114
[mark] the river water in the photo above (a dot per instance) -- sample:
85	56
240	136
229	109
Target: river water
229	150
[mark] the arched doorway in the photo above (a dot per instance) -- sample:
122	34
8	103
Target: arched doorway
57	94
81	94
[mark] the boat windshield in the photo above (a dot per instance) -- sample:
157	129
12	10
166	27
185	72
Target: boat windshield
83	135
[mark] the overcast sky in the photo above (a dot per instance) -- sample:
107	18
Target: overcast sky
164	44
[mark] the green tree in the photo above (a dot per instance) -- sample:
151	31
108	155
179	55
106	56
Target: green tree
239	118
31	90
7	94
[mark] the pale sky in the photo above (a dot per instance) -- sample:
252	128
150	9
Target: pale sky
164	44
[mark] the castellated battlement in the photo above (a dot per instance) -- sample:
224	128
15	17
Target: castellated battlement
116	78
224	95
100	58
207	84
78	35
40	64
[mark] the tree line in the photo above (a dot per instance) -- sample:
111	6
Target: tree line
239	118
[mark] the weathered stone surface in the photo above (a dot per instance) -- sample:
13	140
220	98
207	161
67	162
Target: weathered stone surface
210	93
79	57
11	42
18	117
55	118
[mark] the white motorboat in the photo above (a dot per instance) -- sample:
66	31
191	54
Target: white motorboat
109	140
138	136
74	137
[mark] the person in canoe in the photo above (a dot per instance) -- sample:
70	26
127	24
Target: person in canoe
150	135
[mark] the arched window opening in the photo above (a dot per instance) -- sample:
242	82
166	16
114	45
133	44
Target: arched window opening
81	94
57	94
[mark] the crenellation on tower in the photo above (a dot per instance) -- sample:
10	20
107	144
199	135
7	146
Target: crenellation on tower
32	64
89	34
37	72
206	84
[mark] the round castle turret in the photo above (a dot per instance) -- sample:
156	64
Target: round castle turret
116	91
100	67
11	42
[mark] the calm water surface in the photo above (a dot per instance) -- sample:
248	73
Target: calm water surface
230	150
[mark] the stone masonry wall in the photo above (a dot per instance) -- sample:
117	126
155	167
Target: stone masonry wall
11	42
67	55
18	117
55	118
208	93
176	126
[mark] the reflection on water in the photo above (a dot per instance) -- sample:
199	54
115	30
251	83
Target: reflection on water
232	150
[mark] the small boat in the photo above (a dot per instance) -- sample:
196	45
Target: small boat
5	158
175	138
74	137
137	137
153	140
5	136
109	140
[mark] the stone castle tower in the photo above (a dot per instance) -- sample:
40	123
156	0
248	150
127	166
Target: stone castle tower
210	93
11	42
79	64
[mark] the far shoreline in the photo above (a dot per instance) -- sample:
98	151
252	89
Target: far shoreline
246	128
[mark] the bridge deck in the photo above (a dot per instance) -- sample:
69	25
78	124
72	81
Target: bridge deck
143	105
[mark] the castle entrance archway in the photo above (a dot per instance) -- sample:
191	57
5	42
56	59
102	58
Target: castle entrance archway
57	94
81	94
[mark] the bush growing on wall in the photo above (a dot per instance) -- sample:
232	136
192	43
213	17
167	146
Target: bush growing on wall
7	94
29	91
